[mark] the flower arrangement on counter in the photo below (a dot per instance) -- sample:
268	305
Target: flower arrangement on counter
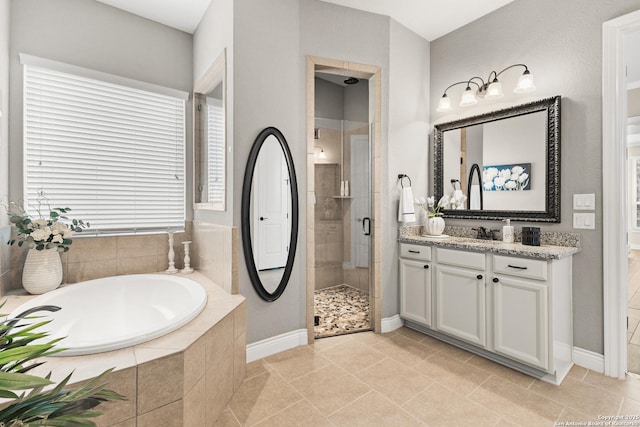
430	207
454	201
45	232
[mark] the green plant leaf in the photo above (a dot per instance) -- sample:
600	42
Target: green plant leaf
17	381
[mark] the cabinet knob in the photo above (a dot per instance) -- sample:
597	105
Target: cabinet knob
479	276
496	280
426	266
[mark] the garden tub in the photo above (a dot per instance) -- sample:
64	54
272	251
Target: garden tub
116	312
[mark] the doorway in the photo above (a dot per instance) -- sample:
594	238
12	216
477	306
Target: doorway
615	205
343	167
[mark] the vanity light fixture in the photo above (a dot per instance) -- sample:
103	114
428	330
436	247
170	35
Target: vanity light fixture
491	89
321	155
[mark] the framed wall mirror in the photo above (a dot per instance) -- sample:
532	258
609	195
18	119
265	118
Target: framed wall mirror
269	214
505	163
209	138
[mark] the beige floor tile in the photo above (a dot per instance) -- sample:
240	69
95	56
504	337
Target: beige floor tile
395	380
260	397
516	403
301	413
633	358
330	388
353	355
404	350
630	407
296	363
439	406
322	344
369	338
571	415
452	373
373	409
410	333
629	387
455	352
580	396
255	368
501	371
226	420
504	422
577	372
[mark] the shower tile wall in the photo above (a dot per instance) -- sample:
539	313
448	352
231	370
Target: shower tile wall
329	228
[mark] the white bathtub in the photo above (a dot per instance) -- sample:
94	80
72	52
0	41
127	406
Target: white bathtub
117	312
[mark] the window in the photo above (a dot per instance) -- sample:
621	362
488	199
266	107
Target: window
215	149
112	152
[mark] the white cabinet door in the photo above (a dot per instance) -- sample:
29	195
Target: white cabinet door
415	291
521	320
460	303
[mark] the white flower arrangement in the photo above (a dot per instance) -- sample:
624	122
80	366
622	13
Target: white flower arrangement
507	179
44	233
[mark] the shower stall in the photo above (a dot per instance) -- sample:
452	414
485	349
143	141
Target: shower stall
342	226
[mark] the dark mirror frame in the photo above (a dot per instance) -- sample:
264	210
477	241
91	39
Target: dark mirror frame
245	220
552	182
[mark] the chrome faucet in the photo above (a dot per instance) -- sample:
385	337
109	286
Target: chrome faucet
485	234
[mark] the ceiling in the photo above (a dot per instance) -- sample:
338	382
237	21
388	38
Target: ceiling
428	18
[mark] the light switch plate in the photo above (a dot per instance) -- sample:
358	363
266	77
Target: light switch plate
584	202
586	221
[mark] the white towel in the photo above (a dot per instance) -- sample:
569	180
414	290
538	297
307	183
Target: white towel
406	208
474	197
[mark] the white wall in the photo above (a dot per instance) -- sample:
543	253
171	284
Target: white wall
517	140
408	146
96	36
561	42
213	35
4	107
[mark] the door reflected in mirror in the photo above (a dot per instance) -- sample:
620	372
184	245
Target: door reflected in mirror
209	141
269	214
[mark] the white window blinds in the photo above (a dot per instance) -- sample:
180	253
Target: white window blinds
114	154
215	149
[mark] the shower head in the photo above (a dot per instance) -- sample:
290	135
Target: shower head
351	81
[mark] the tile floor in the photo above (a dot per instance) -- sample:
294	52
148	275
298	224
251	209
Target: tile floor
633	311
405	378
341	310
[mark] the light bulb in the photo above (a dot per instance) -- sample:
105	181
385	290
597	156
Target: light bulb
444	104
525	83
322	155
494	91
468	98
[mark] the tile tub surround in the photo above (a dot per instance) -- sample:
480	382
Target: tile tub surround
214	252
185	378
554	245
90	257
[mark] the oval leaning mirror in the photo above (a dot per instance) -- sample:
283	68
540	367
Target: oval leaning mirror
269	214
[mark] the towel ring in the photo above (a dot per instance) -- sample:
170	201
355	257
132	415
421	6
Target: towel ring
401	178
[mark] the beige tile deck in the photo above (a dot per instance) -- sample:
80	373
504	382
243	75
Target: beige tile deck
405	378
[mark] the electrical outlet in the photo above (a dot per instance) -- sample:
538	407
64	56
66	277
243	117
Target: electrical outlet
585	221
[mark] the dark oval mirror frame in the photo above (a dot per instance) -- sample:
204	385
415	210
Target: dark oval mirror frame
552	181
247	245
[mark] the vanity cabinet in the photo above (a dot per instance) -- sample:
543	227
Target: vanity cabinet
415	284
460	295
513	310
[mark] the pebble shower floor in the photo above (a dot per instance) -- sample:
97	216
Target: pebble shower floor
341	310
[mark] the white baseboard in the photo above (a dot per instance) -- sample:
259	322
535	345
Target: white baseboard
273	345
634	246
392	323
588	359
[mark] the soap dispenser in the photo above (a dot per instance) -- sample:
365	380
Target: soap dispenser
507	232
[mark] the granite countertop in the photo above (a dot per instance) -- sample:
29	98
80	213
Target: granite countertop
546	252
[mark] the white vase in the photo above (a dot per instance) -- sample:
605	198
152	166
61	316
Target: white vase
434	225
42	271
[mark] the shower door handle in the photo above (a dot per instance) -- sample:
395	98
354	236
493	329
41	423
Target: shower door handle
366	226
